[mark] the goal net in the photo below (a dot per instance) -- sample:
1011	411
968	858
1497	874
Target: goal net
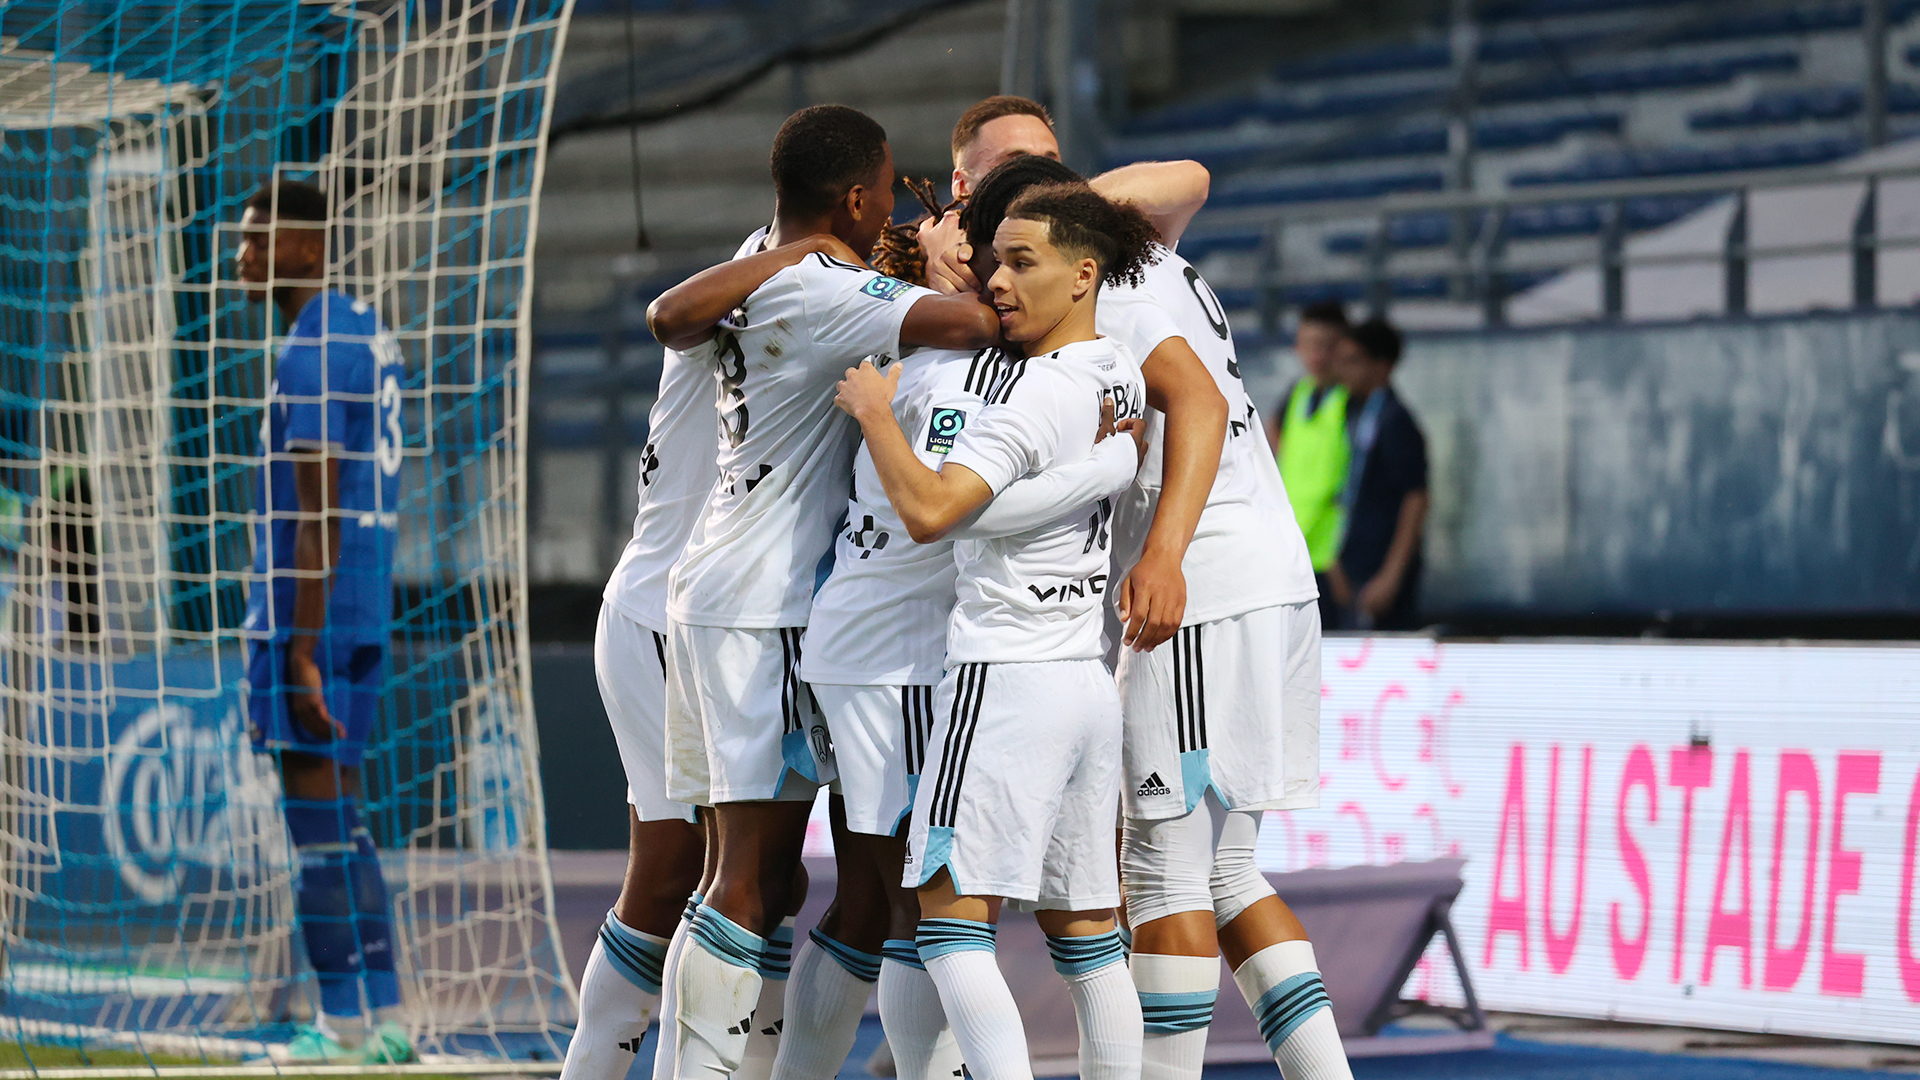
146	878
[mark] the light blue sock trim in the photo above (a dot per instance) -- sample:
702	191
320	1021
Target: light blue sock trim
864	966
1288	1005
1080	955
938	937
777	962
638	959
1172	1013
726	939
902	951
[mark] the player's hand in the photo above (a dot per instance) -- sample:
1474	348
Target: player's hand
1377	596
1137	428
1153	600
947	253
865	392
1106	420
306	698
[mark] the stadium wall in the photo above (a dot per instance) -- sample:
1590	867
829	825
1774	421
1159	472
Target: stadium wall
1762	465
1708	835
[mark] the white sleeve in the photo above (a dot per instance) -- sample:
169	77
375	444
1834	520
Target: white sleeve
1013	438
852	309
1040	499
1136	322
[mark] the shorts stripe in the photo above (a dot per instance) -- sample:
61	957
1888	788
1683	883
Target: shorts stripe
660	649
916	717
968	690
1190	689
790	719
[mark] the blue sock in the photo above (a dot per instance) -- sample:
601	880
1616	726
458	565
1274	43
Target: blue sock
322	833
373	919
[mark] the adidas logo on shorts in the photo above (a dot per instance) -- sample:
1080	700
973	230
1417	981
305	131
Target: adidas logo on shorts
1152	785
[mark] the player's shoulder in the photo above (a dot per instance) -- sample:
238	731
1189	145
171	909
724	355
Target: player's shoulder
950	373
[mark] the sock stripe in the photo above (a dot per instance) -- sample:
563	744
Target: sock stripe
1170	1013
693	904
777	961
639	960
1288	1005
938	937
864	966
725	939
1079	955
902	951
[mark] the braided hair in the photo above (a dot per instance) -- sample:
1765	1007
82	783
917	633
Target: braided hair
998	189
898	252
1083	224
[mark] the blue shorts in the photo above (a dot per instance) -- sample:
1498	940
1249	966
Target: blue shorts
354	676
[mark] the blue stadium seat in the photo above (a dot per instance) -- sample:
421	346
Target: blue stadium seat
1197	246
1689	161
1374	60
1526	222
1782	107
1662	76
1367	187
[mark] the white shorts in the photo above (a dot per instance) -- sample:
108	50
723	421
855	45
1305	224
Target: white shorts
741	726
630	664
880	736
1021	803
1232	706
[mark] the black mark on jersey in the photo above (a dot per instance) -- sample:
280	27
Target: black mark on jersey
867	537
649	464
1097	527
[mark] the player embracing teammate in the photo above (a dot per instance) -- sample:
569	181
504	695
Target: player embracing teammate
953	658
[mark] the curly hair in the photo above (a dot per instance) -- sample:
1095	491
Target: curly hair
1083	224
998	189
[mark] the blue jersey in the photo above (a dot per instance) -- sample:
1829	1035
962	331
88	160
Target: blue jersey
336	388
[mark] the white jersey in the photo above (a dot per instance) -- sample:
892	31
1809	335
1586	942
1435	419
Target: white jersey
677	471
1037	596
1247	552
785	451
881	618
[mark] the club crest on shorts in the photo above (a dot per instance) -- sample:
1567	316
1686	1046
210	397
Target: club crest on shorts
885	288
944	428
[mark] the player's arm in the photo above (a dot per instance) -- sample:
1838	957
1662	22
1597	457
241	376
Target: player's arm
1168	192
950	322
929	502
316	551
1033	501
684	316
1153	598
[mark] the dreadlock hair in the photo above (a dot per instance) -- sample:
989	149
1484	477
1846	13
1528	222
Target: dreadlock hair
999	188
967	128
897	253
820	153
293	200
1083	224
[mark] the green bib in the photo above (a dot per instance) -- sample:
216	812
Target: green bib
1314	454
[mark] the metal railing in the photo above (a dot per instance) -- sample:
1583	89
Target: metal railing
1481	269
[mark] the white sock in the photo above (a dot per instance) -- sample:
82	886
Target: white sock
910	1013
959	956
825	999
1282	986
618	994
770	1011
1105	1004
1176	1002
717	986
348	1031
664	1046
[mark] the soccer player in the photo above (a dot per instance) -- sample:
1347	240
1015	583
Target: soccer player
319	609
744	733
875	650
1152	592
621	986
1027	719
1192	817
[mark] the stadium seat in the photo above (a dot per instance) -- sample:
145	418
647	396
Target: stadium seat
1689	161
1256	193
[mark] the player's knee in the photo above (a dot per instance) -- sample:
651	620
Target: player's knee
1163	869
1237	884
